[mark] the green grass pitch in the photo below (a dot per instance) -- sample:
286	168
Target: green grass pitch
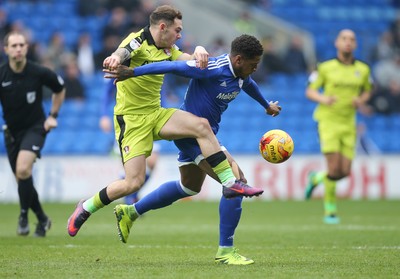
287	239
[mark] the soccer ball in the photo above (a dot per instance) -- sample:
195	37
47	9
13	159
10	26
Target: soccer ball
276	146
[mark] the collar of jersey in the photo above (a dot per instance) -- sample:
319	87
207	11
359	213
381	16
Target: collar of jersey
148	36
352	62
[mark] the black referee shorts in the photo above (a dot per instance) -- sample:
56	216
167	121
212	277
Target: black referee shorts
31	139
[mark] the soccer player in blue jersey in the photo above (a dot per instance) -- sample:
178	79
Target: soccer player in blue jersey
209	94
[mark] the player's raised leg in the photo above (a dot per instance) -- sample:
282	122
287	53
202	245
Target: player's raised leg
186	125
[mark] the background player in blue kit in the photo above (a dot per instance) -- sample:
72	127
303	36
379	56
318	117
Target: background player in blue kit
209	93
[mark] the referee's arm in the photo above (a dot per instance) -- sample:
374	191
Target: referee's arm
56	101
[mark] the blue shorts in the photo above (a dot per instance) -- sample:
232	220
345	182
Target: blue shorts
189	151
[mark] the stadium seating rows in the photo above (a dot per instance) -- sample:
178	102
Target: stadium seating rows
244	122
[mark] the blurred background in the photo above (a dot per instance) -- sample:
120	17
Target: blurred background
73	37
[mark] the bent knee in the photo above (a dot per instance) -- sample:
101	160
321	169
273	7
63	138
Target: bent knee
203	126
194	187
23	173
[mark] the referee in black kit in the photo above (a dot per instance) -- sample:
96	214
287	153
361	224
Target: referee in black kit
26	124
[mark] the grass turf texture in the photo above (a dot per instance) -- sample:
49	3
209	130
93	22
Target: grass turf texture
286	240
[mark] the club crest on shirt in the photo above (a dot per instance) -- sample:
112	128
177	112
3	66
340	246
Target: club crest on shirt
357	74
31	97
240	83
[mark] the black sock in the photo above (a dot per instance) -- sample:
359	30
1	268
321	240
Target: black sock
25	187
216	158
36	206
104	197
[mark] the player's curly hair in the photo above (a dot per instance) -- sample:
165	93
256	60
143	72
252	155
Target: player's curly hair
247	46
166	13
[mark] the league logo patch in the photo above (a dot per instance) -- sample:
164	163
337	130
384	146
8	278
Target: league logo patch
193	63
134	44
313	77
31	97
60	80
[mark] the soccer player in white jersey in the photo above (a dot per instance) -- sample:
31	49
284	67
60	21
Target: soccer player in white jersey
209	94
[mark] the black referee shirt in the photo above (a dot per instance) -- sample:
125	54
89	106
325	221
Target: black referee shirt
21	94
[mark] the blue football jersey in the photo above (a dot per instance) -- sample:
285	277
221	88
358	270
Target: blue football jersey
211	89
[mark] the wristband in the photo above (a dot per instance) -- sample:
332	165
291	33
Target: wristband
53	114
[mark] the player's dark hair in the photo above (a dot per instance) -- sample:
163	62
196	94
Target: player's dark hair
7	36
166	13
247	46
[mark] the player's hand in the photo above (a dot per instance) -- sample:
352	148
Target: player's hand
111	62
274	109
105	124
50	123
328	100
358	103
201	56
121	72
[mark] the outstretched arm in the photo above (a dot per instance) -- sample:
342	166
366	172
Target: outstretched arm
200	54
252	89
188	69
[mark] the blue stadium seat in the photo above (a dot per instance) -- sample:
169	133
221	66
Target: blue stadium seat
244	122
2	145
167	147
64	8
59	142
89	123
70	122
72	108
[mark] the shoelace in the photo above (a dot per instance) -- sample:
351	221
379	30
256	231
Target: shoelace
236	255
82	217
241	183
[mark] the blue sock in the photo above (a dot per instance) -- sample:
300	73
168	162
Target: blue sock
163	196
230	211
134	197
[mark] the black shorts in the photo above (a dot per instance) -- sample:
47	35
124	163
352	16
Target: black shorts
31	139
